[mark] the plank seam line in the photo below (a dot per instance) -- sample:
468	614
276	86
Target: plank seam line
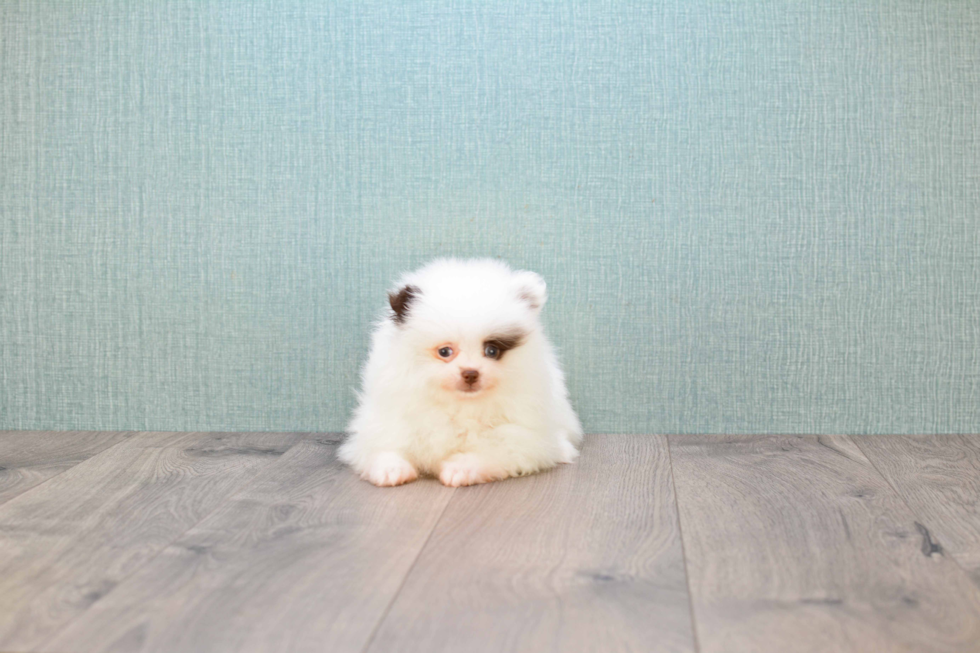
680	532
408	572
68	469
231	495
949	555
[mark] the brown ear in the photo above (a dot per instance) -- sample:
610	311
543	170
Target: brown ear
401	301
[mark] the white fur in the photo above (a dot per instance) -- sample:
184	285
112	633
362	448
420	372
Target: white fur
415	415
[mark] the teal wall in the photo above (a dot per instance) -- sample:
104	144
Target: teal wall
754	216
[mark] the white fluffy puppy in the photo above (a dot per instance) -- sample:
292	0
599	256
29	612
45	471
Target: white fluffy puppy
461	382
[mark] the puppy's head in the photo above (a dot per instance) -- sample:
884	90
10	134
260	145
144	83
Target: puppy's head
466	325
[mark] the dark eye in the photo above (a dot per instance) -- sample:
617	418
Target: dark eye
445	352
490	351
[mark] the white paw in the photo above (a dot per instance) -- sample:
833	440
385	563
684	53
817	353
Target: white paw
388	468
468	469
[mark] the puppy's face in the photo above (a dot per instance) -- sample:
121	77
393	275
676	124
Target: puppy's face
472	366
464	328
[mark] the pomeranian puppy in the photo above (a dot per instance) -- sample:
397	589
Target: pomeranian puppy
461	382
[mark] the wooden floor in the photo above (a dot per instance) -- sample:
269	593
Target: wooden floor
262	542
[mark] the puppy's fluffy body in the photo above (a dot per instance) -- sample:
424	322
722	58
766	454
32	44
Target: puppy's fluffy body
461	382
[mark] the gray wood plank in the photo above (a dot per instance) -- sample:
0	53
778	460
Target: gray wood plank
938	476
586	557
306	558
28	458
68	542
798	544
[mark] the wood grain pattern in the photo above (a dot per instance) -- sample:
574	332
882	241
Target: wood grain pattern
938	476
263	542
586	557
28	458
306	558
67	543
798	544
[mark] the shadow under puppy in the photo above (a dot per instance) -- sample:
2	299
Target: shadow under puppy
461	382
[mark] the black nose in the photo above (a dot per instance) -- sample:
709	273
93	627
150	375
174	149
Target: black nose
470	376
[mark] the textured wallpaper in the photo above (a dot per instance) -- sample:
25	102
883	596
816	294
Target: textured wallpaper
753	216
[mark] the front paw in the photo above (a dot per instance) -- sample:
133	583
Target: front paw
468	469
388	469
